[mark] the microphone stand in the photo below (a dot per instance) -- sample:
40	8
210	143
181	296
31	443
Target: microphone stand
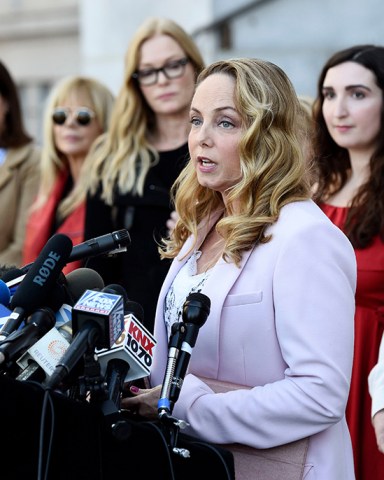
94	386
172	424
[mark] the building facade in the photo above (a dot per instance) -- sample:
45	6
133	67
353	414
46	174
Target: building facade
43	40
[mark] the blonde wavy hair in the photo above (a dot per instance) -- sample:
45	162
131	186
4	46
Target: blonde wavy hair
123	156
52	161
271	160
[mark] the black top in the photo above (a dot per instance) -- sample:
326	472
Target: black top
139	270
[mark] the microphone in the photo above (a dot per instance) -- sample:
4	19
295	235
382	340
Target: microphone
178	332
39	282
13	277
19	341
82	279
41	359
97	322
5	269
135	346
196	309
5	294
109	243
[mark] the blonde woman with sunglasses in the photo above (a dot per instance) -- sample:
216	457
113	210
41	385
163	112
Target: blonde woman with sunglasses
77	112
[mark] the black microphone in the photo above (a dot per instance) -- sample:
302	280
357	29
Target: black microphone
47	351
117	289
5	269
178	332
38	282
13	278
19	341
11	274
80	280
195	313
109	243
97	322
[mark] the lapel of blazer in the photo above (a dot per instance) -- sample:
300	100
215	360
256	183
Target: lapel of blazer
217	287
160	329
14	157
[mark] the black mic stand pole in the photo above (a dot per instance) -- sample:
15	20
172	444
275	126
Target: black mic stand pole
104	392
172	424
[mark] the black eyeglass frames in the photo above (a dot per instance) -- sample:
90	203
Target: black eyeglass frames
82	116
172	69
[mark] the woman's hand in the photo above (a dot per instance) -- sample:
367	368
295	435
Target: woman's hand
378	424
143	401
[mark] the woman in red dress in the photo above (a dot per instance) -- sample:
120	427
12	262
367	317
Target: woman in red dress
349	153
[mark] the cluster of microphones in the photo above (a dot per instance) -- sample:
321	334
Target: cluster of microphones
74	335
52	323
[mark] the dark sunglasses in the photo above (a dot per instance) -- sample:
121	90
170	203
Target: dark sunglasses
82	116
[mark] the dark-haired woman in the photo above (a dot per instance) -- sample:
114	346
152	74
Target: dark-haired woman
19	159
349	148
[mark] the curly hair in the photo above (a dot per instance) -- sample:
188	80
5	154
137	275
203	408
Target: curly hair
273	168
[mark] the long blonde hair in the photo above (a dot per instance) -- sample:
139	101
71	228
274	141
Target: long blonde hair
123	156
271	161
52	161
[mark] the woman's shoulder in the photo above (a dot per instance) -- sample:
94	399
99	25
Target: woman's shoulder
28	154
304	211
296	217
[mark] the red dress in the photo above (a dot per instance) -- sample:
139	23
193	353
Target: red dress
369	327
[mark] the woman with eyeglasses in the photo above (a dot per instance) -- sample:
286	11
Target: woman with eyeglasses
77	112
135	163
19	172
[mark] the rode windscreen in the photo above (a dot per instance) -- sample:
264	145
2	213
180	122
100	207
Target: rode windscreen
43	274
39	282
196	309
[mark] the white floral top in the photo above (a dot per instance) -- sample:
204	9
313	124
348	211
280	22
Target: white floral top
186	282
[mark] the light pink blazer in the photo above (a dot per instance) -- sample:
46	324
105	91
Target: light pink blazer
282	324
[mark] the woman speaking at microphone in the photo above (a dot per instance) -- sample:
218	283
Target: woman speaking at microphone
272	363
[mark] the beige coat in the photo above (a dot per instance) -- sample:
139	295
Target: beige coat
19	176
